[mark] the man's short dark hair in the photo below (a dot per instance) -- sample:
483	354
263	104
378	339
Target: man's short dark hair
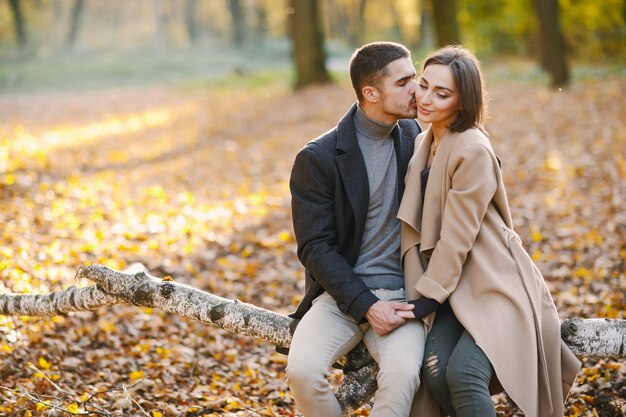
368	64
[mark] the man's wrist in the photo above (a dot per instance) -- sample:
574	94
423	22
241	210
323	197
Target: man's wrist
361	304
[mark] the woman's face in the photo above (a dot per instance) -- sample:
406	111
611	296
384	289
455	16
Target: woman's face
437	96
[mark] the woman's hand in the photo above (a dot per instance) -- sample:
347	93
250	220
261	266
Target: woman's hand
420	308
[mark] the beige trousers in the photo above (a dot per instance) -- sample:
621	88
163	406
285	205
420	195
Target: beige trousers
325	334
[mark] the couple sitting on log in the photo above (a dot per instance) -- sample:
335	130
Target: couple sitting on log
408	245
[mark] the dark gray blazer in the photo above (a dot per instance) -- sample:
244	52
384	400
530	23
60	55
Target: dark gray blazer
329	200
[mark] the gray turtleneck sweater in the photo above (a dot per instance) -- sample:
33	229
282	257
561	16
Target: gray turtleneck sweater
379	260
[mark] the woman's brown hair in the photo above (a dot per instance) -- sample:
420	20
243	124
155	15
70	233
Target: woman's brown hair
465	69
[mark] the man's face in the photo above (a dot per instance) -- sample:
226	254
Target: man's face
397	91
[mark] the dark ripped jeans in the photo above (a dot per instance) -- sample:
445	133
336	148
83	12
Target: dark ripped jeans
456	371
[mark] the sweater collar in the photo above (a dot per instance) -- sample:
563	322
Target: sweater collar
371	128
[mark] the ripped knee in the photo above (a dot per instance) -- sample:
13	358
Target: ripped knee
432	365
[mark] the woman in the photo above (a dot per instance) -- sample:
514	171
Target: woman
495	325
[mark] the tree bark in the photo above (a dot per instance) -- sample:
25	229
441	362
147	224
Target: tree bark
140	289
75	17
308	44
595	337
446	25
552	47
18	22
586	337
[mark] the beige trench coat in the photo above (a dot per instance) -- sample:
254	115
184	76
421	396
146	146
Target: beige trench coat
461	246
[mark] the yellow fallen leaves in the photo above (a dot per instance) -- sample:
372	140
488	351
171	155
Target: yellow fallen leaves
536	235
107	326
43	363
135	375
204	197
72	408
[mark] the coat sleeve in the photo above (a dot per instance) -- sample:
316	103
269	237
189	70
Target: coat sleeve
312	186
473	185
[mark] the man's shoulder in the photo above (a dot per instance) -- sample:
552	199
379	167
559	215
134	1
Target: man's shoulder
410	128
324	144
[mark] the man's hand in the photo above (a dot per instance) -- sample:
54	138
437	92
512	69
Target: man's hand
383	318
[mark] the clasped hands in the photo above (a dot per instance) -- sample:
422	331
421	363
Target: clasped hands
385	316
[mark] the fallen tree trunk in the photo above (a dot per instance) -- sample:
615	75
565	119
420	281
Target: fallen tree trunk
586	337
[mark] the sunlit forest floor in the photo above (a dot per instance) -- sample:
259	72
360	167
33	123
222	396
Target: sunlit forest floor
193	184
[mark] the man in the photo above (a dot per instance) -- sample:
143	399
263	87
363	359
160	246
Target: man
346	186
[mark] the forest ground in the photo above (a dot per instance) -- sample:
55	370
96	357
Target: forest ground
193	183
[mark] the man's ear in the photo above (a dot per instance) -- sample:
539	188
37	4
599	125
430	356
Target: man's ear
370	93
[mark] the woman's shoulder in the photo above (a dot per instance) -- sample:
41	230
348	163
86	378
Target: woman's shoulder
470	138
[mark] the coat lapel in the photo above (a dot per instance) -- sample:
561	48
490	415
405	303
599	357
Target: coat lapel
352	168
410	210
404	146
435	198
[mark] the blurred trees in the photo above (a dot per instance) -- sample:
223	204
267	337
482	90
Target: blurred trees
77	12
426	28
590	30
551	47
190	19
18	22
308	43
237	21
446	26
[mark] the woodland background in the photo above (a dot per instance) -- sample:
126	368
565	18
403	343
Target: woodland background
163	132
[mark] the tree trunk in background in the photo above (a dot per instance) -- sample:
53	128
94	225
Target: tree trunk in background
446	25
18	23
75	17
397	19
260	28
426	40
237	20
338	21
358	30
159	19
551	45
190	20
308	43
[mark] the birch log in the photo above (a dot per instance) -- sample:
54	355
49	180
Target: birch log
586	337
141	289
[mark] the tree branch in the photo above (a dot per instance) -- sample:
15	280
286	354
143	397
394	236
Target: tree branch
586	337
